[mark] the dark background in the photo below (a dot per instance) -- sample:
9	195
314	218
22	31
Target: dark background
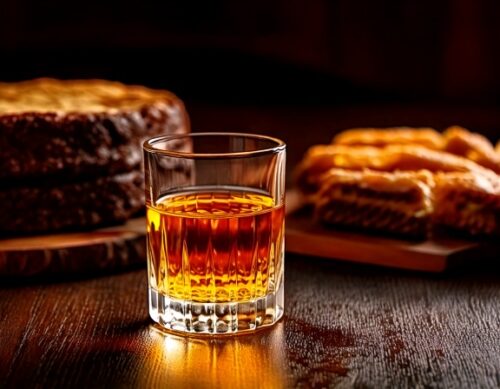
388	62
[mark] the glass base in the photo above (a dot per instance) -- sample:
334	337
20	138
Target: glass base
215	318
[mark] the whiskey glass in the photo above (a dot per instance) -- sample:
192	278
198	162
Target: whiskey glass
215	231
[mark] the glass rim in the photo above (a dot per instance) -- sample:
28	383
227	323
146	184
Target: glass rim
149	145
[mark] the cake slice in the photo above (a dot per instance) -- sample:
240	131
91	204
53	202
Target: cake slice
468	202
398	203
80	127
380	137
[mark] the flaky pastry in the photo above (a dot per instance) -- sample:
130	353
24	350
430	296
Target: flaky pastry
320	159
468	202
473	146
399	203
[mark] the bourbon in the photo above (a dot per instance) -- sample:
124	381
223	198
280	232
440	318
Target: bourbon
222	245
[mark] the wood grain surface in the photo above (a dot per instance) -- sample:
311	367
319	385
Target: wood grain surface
105	249
345	325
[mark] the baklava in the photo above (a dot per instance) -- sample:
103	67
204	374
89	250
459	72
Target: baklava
467	202
399	203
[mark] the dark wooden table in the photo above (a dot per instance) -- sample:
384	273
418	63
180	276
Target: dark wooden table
345	325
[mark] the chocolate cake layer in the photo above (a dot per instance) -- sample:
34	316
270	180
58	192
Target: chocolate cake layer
73	205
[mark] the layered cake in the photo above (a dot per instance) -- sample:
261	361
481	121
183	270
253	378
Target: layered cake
70	151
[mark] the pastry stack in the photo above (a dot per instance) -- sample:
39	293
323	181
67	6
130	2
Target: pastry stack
70	151
406	181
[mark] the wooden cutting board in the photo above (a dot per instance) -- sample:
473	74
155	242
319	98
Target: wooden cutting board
304	236
104	249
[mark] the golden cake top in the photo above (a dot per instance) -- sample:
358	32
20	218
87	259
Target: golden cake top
46	95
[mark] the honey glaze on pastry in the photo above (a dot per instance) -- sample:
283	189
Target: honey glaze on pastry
468	202
414	158
380	137
320	159
399	202
472	146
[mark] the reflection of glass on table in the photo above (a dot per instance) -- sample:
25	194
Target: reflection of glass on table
237	362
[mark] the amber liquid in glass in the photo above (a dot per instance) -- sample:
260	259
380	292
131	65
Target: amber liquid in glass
215	246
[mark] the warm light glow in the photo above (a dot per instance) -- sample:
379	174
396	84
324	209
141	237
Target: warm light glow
237	361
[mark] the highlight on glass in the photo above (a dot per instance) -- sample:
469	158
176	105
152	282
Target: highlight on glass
215	231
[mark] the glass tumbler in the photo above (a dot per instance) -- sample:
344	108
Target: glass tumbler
215	231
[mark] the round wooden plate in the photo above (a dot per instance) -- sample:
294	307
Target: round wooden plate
103	249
